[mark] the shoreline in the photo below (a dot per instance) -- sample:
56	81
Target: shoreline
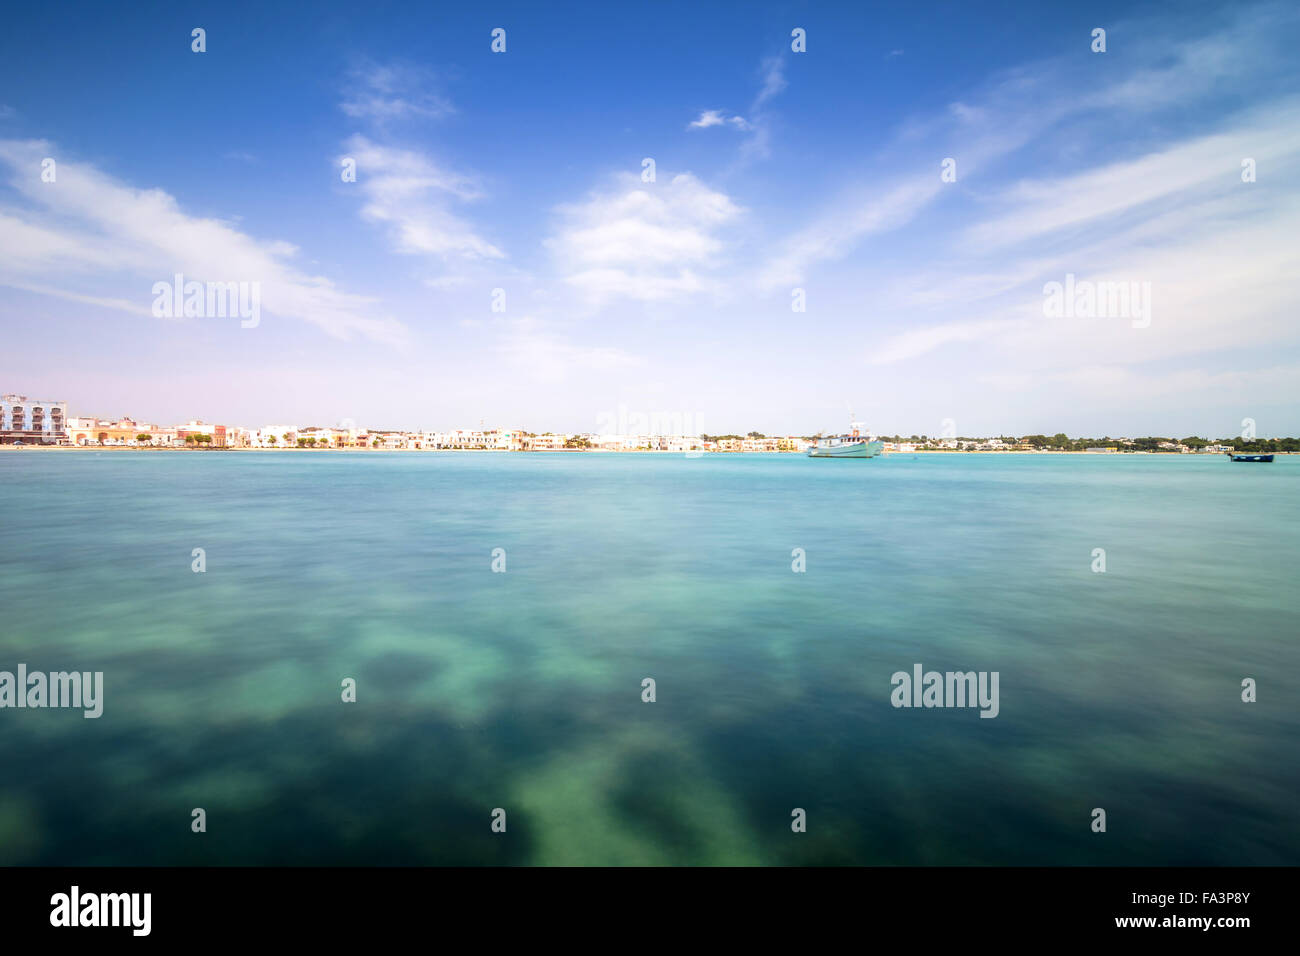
600	451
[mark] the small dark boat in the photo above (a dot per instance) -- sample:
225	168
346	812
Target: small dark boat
1249	457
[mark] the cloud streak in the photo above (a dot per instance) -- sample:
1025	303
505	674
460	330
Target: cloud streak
89	225
384	94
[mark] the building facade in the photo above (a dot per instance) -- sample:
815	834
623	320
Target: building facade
32	423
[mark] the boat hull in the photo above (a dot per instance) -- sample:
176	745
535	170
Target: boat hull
857	449
1251	457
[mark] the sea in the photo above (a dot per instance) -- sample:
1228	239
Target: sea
412	658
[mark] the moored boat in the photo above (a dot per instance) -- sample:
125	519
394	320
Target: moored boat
1248	457
852	445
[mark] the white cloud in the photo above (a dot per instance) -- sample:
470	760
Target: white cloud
408	193
643	241
707	118
717	118
90	228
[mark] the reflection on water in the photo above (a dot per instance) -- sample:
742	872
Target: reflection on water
522	690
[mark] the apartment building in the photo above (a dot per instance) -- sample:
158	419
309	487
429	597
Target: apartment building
32	422
492	439
546	442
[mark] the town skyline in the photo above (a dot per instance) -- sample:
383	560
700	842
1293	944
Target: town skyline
814	210
17	410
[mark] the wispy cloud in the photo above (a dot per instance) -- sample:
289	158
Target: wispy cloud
1215	250
410	194
91	229
773	70
912	344
1017	109
107	302
1042	206
385	93
759	143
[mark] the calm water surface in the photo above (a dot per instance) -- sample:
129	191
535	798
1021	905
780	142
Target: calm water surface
522	690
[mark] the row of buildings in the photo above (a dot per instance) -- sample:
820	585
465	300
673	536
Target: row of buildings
47	423
36	422
24	421
496	439
1126	444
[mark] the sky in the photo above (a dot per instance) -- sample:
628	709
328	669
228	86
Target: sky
915	178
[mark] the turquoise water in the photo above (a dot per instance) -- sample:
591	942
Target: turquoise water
522	690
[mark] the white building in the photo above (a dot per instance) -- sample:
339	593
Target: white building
32	422
274	436
547	442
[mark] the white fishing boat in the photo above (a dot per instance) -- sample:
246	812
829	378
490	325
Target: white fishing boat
856	444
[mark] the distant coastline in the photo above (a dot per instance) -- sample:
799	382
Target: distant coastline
592	451
27	422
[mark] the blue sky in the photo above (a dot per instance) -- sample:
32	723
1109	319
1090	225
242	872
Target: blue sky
775	171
